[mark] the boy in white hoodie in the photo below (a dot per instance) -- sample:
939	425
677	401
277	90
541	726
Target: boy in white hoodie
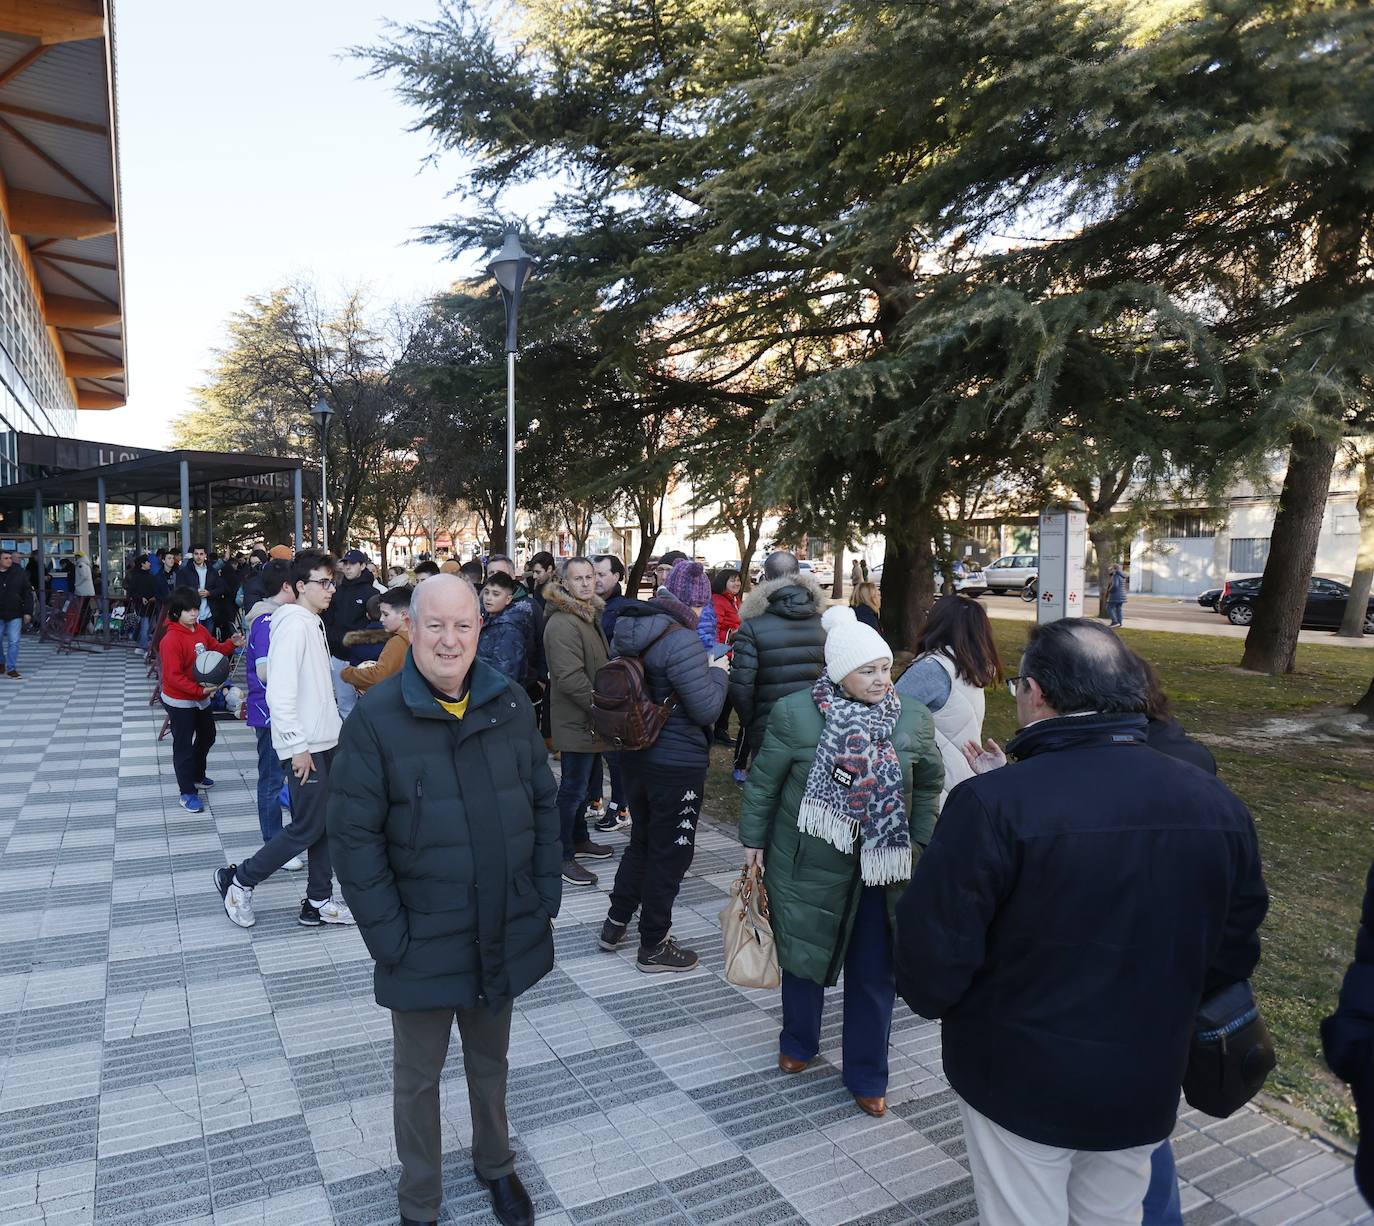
305	730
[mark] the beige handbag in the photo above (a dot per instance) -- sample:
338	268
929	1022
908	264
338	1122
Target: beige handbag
751	957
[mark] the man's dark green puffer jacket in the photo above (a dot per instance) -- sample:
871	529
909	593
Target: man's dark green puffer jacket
445	838
779	648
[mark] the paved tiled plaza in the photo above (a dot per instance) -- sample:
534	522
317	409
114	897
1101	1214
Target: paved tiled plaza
158	1064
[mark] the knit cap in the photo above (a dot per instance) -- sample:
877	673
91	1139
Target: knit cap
688	582
849	644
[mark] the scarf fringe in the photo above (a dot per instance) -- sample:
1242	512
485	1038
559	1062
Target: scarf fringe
885	865
817	818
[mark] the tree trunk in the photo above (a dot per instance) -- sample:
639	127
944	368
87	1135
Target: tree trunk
647	541
908	588
1272	644
837	588
1356	609
1366	704
1103	535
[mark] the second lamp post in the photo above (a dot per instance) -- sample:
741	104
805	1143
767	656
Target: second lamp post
322	413
509	270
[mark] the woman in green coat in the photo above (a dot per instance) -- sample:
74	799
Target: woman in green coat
843	791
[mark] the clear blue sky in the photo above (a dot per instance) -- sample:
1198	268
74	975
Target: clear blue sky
253	151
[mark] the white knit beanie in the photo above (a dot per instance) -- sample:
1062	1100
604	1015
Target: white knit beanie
849	644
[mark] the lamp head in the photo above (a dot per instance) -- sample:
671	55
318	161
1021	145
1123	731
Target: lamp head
322	413
512	264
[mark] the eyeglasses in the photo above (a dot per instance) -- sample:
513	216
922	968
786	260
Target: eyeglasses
1012	683
324	583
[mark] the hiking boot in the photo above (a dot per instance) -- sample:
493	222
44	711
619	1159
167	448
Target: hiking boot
332	911
238	899
612	936
575	874
667	956
191	802
593	851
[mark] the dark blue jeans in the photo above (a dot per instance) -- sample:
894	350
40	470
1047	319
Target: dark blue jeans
1161	1197
572	798
869	992
596	787
1115	608
270	780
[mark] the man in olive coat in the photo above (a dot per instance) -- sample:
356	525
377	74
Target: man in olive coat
444	829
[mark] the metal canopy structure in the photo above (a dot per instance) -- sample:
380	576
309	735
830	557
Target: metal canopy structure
160	478
59	173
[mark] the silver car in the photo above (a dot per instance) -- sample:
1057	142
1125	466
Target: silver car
1011	572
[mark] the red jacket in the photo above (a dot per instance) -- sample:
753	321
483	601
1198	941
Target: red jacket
727	616
178	653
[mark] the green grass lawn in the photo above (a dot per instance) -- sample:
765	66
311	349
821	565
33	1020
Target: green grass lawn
1313	803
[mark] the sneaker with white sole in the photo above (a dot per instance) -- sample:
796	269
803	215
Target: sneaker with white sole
294	865
334	911
191	802
238	899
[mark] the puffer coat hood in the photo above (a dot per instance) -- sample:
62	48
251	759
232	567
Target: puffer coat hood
675	666
574	648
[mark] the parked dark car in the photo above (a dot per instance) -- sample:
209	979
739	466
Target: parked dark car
1209	598
1326	601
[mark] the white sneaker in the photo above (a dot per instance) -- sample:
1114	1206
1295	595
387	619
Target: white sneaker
238	904
335	911
294	865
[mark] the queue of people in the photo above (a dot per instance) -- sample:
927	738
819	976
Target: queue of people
1063	906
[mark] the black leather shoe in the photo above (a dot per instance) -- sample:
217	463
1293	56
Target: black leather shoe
509	1200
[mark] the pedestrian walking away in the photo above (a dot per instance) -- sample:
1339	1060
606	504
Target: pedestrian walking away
666	780
1116	593
185	697
1066	1058
575	648
273	578
305	732
16	608
445	829
843	789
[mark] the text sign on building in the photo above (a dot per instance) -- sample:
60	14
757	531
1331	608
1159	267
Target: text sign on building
1063	544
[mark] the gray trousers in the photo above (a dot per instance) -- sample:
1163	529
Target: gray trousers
421	1044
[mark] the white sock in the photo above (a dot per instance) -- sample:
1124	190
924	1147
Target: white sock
317	905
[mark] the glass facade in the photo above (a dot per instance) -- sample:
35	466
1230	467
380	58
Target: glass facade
34	395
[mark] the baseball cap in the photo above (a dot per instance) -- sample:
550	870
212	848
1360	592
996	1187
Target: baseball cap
354	555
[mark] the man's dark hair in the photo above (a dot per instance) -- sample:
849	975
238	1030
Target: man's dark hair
374	607
472	572
1082	666
162	553
500	557
276	574
543	558
397	598
182	600
779	563
499	578
580	559
721	578
428	567
198	546
616	565
259	553
673	555
306	561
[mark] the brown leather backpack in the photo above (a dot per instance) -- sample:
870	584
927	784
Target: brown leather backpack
622	711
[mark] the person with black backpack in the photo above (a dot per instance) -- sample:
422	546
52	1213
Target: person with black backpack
663	762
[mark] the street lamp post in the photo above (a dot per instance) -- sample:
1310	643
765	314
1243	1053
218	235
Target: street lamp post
509	270
322	413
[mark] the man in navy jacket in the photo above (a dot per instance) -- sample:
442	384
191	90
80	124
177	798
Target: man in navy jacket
1066	921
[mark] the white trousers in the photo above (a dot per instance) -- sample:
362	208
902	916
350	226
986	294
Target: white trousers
344	694
1022	1183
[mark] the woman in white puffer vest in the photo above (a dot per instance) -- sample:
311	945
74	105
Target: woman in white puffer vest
956	660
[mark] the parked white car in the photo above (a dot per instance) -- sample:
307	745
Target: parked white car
1011	573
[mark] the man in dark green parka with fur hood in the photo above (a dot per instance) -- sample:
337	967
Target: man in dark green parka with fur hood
444	831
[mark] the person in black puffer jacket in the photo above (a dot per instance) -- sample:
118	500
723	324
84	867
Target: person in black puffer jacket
780	646
664	783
